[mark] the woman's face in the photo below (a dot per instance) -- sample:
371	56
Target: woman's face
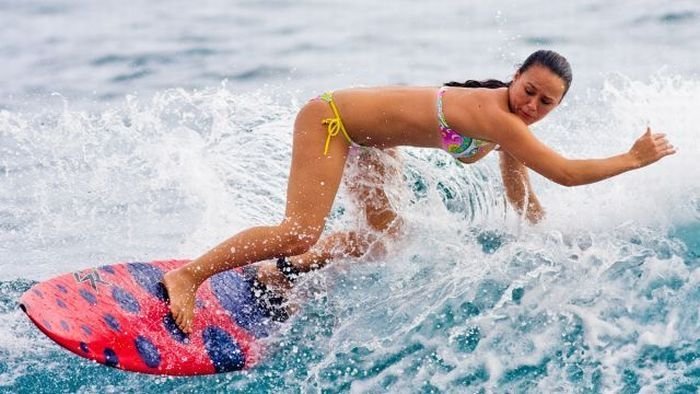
534	93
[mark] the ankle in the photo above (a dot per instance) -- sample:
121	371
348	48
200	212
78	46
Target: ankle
189	274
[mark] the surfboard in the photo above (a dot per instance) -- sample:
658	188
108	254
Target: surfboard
118	315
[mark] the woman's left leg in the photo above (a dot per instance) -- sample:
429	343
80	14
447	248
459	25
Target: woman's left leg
314	179
367	188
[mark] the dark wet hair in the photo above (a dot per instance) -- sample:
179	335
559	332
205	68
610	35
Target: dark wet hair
553	61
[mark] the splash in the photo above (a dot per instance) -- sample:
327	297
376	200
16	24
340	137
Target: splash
596	298
176	169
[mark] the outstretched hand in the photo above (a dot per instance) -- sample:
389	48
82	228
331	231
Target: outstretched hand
650	147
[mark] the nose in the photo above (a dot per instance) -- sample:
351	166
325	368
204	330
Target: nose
532	105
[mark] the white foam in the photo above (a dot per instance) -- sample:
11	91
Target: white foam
170	175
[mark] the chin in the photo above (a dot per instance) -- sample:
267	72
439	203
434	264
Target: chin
527	119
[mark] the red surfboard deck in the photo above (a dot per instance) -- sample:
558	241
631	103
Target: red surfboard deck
117	315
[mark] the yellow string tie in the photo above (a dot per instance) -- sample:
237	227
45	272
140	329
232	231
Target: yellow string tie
335	125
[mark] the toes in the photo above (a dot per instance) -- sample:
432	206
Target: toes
186	325
177	315
183	321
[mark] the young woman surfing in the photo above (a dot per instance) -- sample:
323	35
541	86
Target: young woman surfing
467	120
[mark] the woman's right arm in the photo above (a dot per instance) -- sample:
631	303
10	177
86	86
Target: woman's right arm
516	139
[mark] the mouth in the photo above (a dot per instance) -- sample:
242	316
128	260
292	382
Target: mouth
525	116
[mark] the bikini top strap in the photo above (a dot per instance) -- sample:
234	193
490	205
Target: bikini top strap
440	114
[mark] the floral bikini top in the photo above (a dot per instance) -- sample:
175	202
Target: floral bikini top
454	143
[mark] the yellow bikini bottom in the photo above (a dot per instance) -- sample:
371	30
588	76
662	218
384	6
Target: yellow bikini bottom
335	124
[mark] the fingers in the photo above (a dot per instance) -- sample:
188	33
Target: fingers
663	147
665	153
648	133
660	141
669	150
651	147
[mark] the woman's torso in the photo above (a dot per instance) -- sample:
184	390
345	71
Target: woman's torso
391	116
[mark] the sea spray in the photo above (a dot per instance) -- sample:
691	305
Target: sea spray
598	297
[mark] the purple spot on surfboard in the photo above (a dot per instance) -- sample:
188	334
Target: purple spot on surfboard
88	296
46	324
173	329
125	300
108	269
147	351
235	294
87	330
112	322
65	325
38	293
62	288
111	358
60	303
223	350
84	347
148	277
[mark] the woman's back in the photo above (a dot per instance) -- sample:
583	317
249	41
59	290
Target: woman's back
397	115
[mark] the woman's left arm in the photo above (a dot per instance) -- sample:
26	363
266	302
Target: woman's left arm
518	189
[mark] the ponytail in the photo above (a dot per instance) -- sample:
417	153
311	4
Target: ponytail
549	59
488	84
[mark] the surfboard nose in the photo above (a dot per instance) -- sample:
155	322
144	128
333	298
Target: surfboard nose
117	315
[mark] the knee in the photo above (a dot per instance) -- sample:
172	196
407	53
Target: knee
357	244
381	219
299	240
314	108
297	246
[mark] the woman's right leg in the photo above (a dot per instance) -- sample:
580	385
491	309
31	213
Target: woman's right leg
313	183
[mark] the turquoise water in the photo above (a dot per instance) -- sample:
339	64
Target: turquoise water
145	133
456	343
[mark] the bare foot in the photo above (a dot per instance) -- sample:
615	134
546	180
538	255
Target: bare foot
181	291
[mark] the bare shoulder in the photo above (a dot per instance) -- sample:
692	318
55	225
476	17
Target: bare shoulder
486	114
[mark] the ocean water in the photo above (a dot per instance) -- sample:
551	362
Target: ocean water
154	129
